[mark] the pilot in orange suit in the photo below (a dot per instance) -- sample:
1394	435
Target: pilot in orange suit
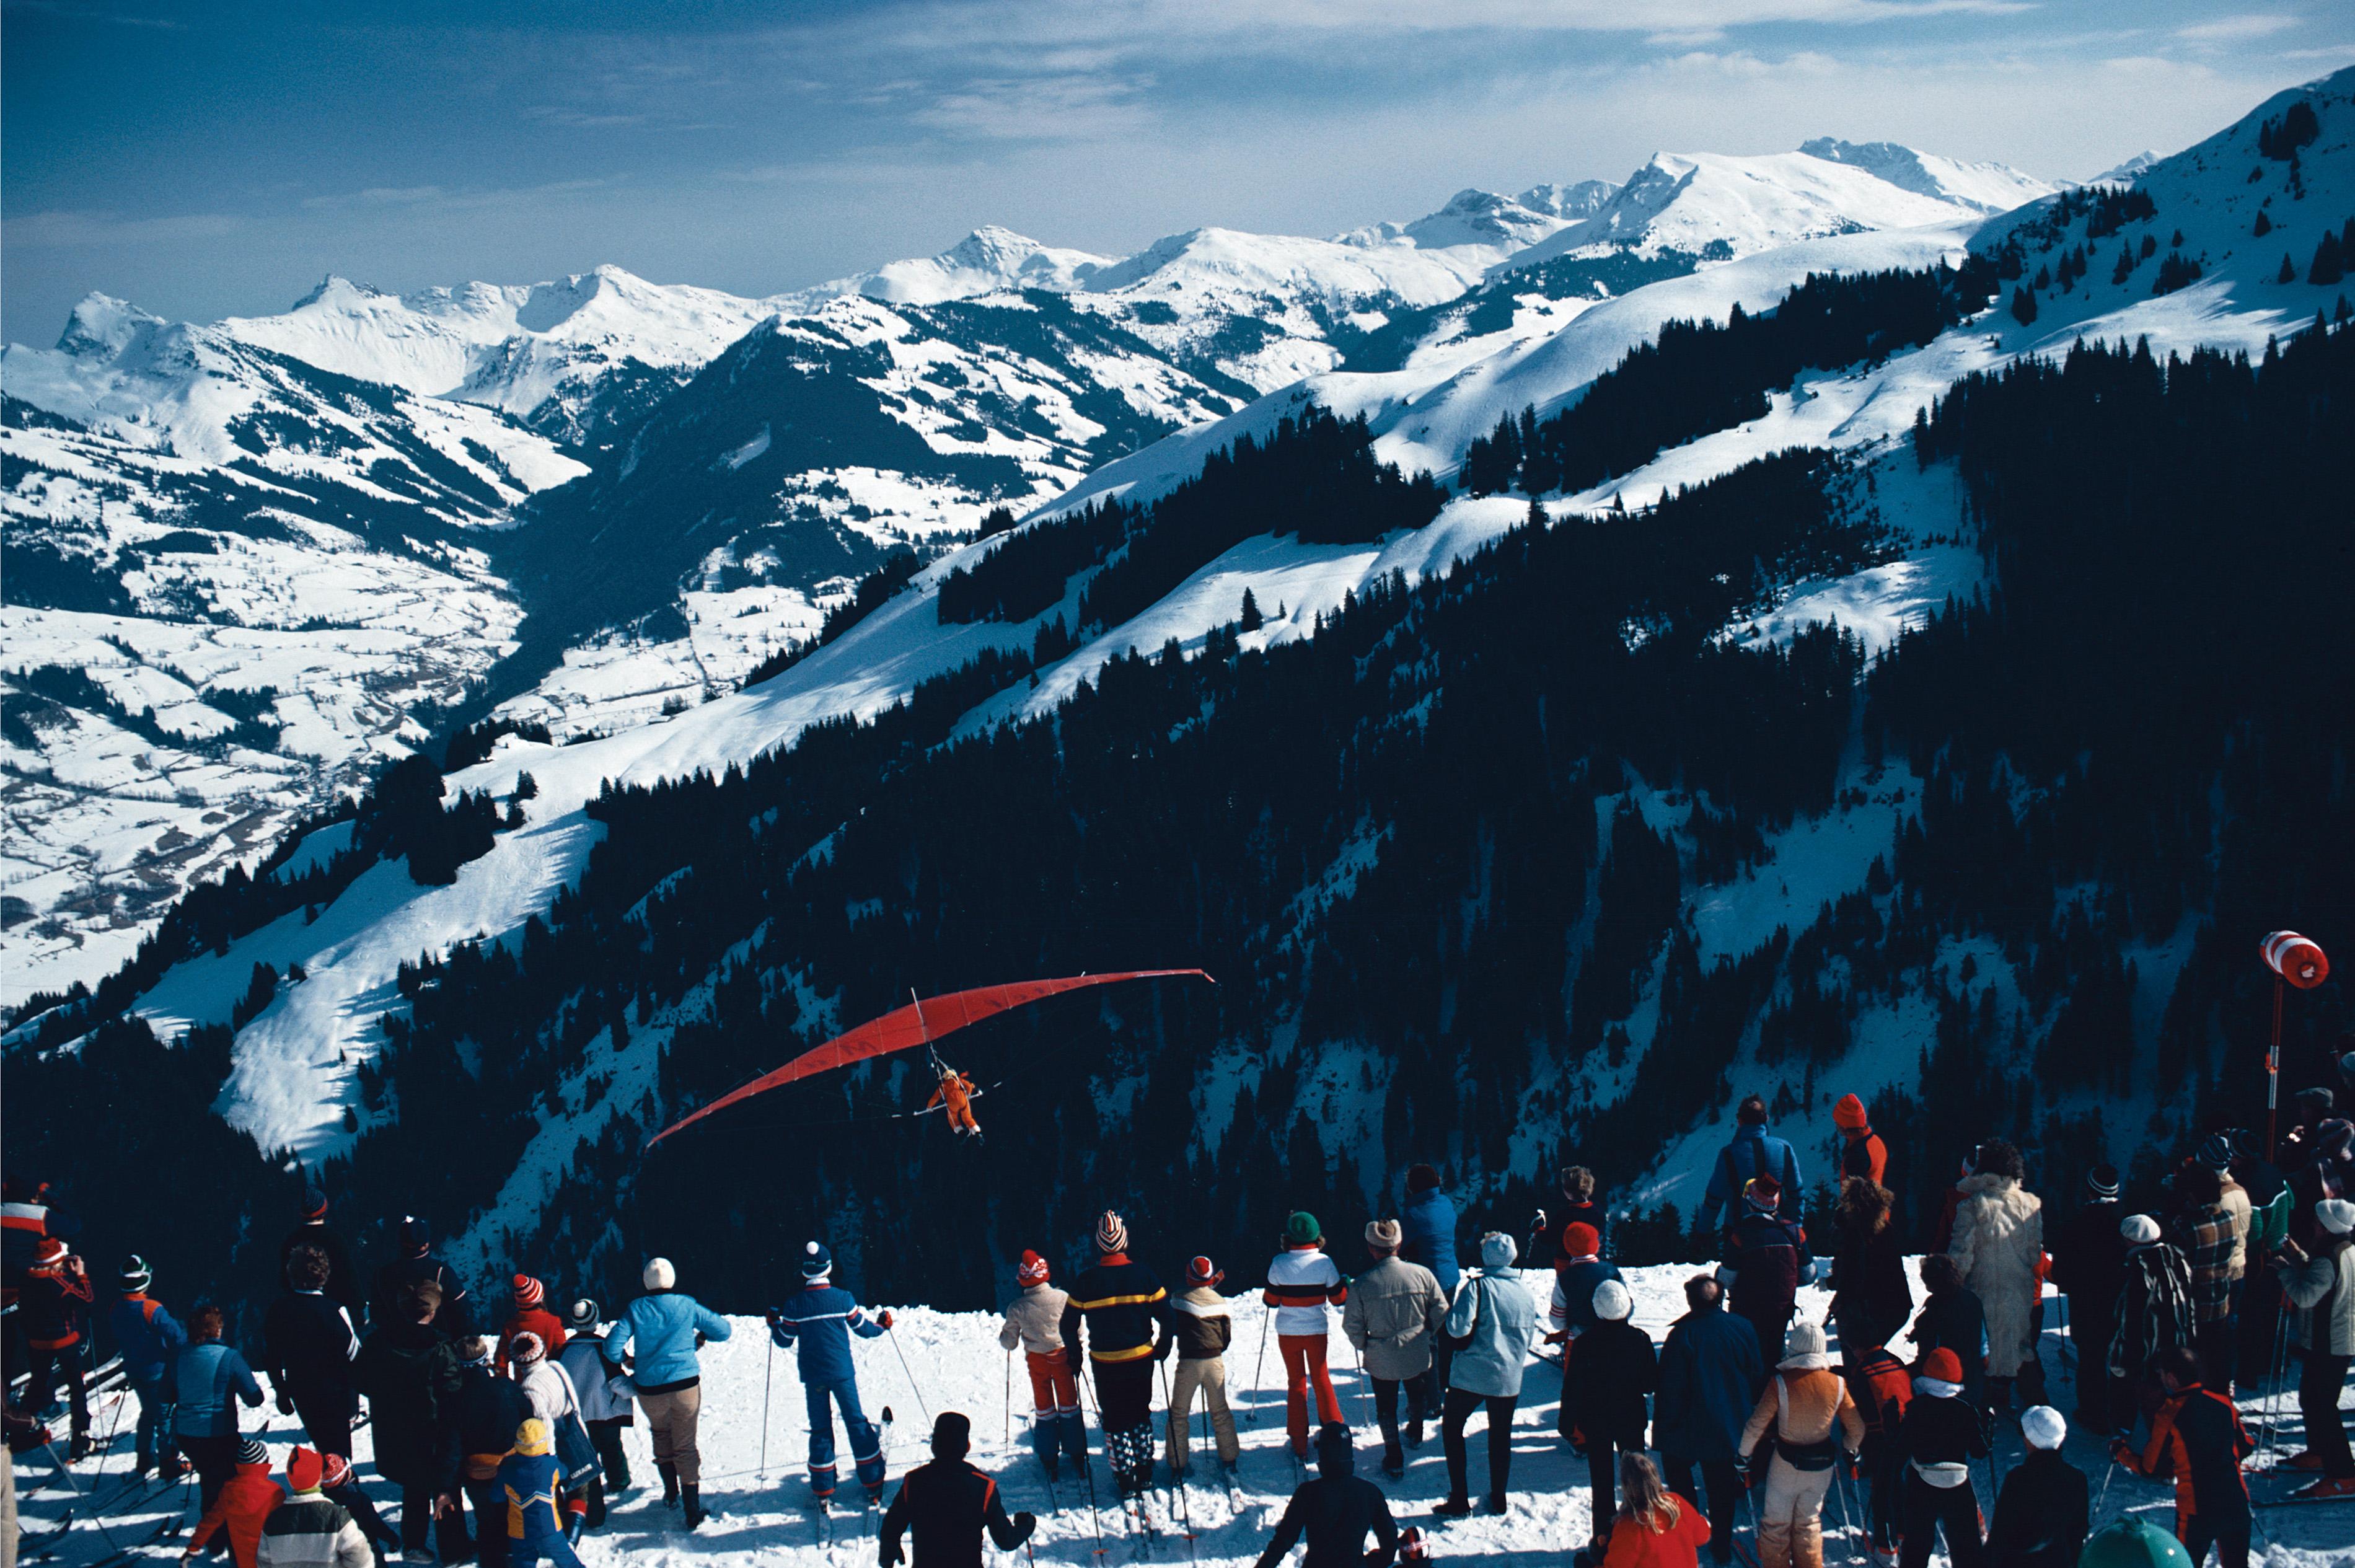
956	1093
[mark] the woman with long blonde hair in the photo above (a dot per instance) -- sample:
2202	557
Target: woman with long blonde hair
1654	1528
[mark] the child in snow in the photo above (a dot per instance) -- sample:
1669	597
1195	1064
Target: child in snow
2040	1516
818	1324
1942	1432
533	1484
1301	1283
1203	1326
1034	1320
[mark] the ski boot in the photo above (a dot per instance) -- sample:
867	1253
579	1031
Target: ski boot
692	1494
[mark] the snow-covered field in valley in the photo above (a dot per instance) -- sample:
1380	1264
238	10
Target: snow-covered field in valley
934	1361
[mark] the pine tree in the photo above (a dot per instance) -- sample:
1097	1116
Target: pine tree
2288	273
2330	262
2263	226
1252	620
2024	307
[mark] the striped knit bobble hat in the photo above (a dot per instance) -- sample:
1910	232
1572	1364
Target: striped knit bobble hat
334	1470
1202	1271
1112	1232
2102	1181
582	1316
135	1273
1032	1270
2217	1152
528	1291
251	1452
527	1347
817	1262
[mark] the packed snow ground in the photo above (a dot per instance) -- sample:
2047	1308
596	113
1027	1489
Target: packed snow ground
933	1362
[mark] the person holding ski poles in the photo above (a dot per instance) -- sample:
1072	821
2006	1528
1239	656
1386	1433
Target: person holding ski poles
1119	1315
1034	1321
817	1325
948	1503
1203	1325
1301	1283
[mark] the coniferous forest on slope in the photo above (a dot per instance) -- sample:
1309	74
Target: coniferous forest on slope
2143	726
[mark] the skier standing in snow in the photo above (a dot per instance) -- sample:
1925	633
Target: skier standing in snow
1607	1372
1952	1320
1578	1269
1579	1207
816	1326
531	1316
343	1286
1862	1152
239	1507
1881	1388
1301	1281
311	1340
2043	1514
454	1317
1816	1428
1998	1246
604	1402
53	1310
1493	1323
150	1340
2321	1287
1749	1153
307	1529
1395	1311
2154	1317
2209	1234
2089	1265
1034	1322
531	1489
339	1485
2198	1438
489	1410
1766	1262
549	1393
1427	1223
667	1326
1203	1325
1941	1434
948	1504
1871	1297
1335	1510
1116	1324
410	1373
1710	1374
208	1382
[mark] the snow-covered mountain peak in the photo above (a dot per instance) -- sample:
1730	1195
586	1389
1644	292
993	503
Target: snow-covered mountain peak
2128	172
985	262
1583	198
1988	186
102	327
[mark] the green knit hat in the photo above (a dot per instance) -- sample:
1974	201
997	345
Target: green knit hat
1302	1230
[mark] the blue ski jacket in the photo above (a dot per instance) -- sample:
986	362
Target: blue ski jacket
1428	1222
149	1338
817	1323
663	1325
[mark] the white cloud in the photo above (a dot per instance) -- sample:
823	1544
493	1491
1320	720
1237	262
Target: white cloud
65	228
2233	30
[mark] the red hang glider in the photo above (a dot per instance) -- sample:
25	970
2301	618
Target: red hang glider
919	1023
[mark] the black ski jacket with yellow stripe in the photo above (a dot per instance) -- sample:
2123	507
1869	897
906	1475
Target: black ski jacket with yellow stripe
1112	1310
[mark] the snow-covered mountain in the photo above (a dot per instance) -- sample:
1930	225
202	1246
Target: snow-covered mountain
1481	221
1988	188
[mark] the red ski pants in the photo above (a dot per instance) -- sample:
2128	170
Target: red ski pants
1304	1362
1052	1387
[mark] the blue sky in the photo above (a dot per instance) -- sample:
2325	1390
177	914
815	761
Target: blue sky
211	160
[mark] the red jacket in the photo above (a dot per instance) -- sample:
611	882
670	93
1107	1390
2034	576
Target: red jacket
532	1320
54	1302
1864	1155
243	1507
1634	1544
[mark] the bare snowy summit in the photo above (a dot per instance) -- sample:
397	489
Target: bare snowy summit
1989	187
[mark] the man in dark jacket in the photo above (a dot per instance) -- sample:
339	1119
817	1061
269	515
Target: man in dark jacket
2197	1438
1606	1373
311	1342
1750	1153
454	1317
1335	1510
1118	1315
948	1503
1941	1434
1952	1319
409	1370
53	1311
1427	1221
149	1340
490	1408
2154	1317
1710	1375
2089	1265
1766	1262
1871	1297
2043	1514
1579	1206
343	1283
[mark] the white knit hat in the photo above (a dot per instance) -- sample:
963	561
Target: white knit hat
2140	1229
1803	1339
659	1275
2043	1426
2336	1215
1612	1301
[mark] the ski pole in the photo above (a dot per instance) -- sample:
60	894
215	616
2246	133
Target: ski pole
1259	1369
2106	1477
1364	1379
1088	1464
1847	1519
1010	1399
920	1408
768	1371
1184	1496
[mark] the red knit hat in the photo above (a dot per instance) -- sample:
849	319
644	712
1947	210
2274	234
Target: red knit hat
1943	1365
1580	1240
304	1471
1848	1113
1764	1192
334	1470
1202	1271
1032	1270
528	1290
50	1250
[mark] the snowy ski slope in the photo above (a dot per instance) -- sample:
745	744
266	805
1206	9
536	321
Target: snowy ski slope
933	1362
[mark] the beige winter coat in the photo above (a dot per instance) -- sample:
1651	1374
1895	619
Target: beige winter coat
1998	1240
1394	1310
2235	1203
1034	1320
